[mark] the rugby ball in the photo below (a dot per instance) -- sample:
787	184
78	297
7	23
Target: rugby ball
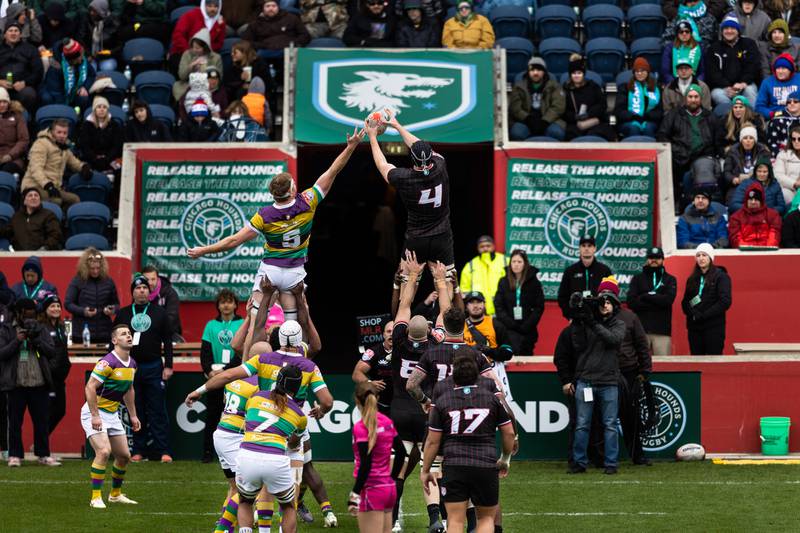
379	118
690	452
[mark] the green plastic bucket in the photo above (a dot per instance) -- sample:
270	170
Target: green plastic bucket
775	435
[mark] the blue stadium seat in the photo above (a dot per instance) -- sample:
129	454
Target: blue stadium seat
545	3
46	114
589	75
651	49
5	245
8	187
82	241
596	2
632	3
88	217
518	51
646	20
606	56
154	86
143	54
556	51
55	209
510	21
117	114
589	139
178	12
6	212
639	139
602	20
326	42
116	95
95	189
555	21
541	139
164	114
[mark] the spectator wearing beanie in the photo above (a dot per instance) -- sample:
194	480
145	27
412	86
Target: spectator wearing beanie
638	104
775	89
21	66
206	17
69	77
536	104
732	64
769	185
755	224
19	13
777	43
51	319
143	128
586	109
100	138
33	227
92	297
705	303
55	25
98	30
674	94
257	105
685	49
14	139
701	222
273	30
372	26
780	9
200	127
467	29
416	29
33	285
740	161
741	114
782	122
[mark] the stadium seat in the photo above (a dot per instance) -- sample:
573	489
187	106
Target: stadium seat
164	114
651	49
8	187
589	139
645	20
55	209
82	241
95	189
116	95
589	74
602	20
178	12
639	139
555	21
541	139
46	114
143	54
117	114
597	2
88	217
556	52
546	3
632	3
154	86
6	212
5	245
606	56
518	51
510	21
326	42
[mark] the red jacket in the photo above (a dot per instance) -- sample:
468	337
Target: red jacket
190	23
754	227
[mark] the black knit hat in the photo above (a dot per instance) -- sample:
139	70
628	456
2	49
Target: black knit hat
577	65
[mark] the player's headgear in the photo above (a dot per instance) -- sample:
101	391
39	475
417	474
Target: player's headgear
289	380
421	154
290	333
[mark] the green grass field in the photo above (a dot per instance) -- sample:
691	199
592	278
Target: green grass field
538	496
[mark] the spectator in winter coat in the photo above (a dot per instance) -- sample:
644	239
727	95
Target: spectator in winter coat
674	94
22	65
673	9
519	303
239	127
741	114
586	108
583	275
787	166
33	284
239	13
697	12
705	303
777	43
200	127
638	103
274	29
92	298
702	222
740	161
371	27
33	227
790	233
60	365
650	295
783	121
684	49
100	138
163	293
732	64
69	77
142	18
776	89
257	104
98	30
196	58
432	10
206	17
770	187
324	18
245	65
55	25
752	19
14	138
199	89
416	29
755	224
143	128
784	10
467	29
484	272
536	104
26	18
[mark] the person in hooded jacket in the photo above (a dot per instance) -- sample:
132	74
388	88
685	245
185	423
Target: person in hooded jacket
651	294
783	121
92	298
586	109
20	13
60	365
100	138
143	128
14	138
97	30
415	29
33	284
536	104
638	103
164	294
372	26
33	227
55	25
777	43
196	58
755	224
519	303
206	17
784	10
705	303
752	19
776	89
257	104
772	189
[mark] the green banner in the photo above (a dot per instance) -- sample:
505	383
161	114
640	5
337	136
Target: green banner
441	96
539	406
551	204
189	203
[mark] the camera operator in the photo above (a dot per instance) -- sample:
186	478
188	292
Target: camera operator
592	341
583	276
25	351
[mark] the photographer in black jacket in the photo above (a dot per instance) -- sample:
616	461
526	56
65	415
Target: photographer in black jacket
582	277
651	295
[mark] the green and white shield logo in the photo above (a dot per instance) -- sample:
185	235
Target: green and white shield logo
208	221
571	218
423	93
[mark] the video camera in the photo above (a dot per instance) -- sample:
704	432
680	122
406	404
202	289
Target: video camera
585	306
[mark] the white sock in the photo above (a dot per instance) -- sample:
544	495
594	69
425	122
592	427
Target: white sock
245	530
290	314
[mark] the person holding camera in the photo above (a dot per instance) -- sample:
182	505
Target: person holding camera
582	276
25	354
592	341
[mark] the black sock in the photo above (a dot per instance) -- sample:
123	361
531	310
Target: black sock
433	513
399	484
498	529
442	507
472	519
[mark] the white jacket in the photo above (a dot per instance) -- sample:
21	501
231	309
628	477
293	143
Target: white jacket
787	172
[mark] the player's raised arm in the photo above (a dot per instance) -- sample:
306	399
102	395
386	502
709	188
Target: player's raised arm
228	243
304	319
408	137
325	181
412	271
377	155
260	321
217	382
443	289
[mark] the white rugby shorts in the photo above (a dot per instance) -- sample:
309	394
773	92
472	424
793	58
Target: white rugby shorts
227	445
112	424
255	469
284	278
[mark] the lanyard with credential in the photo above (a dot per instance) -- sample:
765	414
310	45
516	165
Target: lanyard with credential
702	284
660	282
133	310
519	290
35	290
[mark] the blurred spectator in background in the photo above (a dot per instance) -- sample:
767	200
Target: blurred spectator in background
21	67
702	222
787	166
467	29
638	104
238	14
773	195
199	89
92	298
49	157
245	65
432	10
753	20
196	58
239	127
519	303
416	29
651	295
705	303
696	12
324	18
484	271
586	110
200	127
372	26
740	161
164	294
790	232
783	10
33	227
143	18
100	138
257	104
216	355
143	128
59	364
272	30
775	89
33	284
14	139
675	91
755	224
488	336
219	97
206	17
778	42
536	104
19	13
69	77
98	30
783	121
56	26
730	126
733	64
684	50
6	299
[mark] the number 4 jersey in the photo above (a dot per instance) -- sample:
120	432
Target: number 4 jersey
426	198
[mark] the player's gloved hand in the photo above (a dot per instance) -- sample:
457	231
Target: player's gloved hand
353	501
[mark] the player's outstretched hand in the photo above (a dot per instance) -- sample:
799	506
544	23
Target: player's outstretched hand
370	129
136	425
411	262
195	253
393	119
192	397
357	136
316	411
427	479
502	467
266	286
352	503
438	270
426	407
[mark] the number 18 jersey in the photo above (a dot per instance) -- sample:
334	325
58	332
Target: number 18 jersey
426	198
236	395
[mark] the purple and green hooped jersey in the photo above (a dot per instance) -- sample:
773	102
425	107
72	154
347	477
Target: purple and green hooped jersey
116	377
267	366
236	395
266	429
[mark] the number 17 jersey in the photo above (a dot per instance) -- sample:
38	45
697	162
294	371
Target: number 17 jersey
426	198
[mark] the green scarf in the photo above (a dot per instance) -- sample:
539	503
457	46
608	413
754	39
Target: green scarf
71	85
699	10
689	55
640	100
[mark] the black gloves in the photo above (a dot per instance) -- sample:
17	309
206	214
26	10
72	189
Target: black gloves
86	172
52	191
